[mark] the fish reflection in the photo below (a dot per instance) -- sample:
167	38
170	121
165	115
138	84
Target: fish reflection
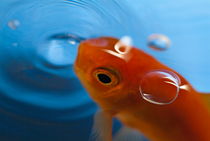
141	92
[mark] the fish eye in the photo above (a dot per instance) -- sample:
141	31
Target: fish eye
106	76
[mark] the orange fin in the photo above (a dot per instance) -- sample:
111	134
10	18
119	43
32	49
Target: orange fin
128	134
102	127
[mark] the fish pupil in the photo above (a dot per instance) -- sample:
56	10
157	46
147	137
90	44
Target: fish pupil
104	78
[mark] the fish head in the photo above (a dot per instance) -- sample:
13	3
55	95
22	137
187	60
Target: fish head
102	67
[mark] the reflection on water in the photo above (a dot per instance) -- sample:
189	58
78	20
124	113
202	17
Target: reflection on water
59	50
38	45
43	42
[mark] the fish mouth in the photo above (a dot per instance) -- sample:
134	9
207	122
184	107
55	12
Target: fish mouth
76	66
77	70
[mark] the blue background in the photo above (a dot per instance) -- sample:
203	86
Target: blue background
41	98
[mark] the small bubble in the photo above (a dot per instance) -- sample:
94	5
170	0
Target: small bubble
160	87
158	42
15	44
123	46
72	42
13	24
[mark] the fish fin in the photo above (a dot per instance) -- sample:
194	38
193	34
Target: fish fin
128	134
102	127
206	98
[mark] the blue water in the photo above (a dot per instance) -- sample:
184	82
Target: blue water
41	98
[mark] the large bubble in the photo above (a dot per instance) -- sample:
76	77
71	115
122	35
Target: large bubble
160	87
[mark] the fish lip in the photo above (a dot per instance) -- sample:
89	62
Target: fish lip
77	70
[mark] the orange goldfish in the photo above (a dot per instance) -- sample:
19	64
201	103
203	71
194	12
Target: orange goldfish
141	92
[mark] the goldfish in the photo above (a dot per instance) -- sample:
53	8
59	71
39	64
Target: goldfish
141	92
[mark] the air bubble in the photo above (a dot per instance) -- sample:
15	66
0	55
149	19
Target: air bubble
15	44
160	87
158	42
60	50
14	24
123	46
